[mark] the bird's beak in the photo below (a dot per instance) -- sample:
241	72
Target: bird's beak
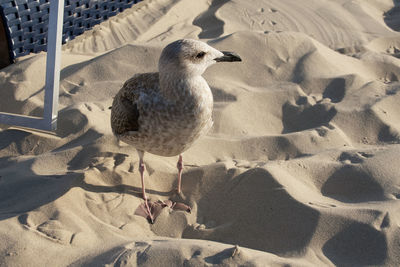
228	57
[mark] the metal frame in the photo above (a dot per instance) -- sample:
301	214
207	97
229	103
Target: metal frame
51	90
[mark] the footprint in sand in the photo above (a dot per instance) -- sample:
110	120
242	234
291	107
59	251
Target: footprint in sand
354	157
50	229
365	154
385	221
88	107
119	159
322	205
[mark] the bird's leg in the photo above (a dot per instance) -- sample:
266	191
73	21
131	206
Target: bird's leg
150	210
142	168
179	165
178	205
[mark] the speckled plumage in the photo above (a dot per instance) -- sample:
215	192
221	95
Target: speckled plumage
164	113
142	117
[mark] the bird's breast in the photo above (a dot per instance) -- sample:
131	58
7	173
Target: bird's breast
169	125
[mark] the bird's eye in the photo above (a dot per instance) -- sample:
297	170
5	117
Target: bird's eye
200	55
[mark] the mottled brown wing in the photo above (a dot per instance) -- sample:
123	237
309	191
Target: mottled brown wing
124	110
124	116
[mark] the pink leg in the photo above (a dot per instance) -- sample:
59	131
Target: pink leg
144	209
142	168
179	165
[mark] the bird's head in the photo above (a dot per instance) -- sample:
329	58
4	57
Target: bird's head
192	57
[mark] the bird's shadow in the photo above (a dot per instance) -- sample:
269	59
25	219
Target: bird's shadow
121	188
28	191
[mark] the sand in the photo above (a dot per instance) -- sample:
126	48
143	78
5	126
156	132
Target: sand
301	167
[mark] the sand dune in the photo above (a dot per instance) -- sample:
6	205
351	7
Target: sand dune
301	167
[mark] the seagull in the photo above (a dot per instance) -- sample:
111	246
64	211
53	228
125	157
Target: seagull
164	112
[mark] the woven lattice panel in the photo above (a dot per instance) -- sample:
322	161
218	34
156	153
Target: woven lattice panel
26	21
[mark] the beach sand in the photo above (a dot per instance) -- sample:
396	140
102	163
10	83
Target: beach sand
301	167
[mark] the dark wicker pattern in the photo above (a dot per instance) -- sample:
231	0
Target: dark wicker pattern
26	21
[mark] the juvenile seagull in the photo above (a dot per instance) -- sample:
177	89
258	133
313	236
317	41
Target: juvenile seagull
164	112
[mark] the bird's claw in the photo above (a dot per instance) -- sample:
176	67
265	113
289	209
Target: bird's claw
182	206
151	210
146	210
